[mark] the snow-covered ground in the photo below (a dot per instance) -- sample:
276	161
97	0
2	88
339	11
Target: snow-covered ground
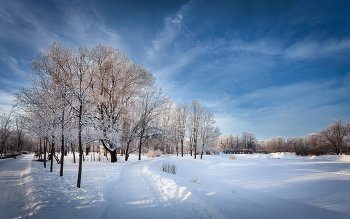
249	186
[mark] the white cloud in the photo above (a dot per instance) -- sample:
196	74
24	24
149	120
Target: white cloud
172	28
74	25
82	24
13	64
312	49
276	111
262	46
6	101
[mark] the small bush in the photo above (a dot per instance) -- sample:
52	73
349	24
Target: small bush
169	168
232	157
262	152
238	151
214	152
310	152
194	179
152	153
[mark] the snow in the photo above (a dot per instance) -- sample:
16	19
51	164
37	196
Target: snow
249	186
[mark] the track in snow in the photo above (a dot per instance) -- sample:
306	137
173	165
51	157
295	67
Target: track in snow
142	193
14	189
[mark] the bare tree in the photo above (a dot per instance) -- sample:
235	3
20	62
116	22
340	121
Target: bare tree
207	131
183	124
149	108
117	83
196	111
248	140
335	134
70	72
5	130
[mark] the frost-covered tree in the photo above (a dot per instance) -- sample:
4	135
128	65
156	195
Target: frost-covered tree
196	111
117	83
148	110
61	75
248	140
336	133
182	124
5	131
207	131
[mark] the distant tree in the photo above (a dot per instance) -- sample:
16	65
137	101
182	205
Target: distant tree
148	109
207	131
183	114
196	111
19	131
336	133
248	140
5	130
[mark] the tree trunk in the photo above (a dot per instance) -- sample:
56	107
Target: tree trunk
112	152
80	148
45	147
73	151
195	148
62	145
182	147
93	149
140	150
87	150
52	151
127	151
41	156
113	155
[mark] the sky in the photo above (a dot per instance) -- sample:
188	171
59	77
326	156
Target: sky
272	68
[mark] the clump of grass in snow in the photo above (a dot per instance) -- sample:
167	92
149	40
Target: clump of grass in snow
195	180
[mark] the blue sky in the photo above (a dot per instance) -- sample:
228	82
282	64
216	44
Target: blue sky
273	68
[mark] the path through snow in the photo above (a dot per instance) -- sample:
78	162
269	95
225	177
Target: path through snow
142	193
14	187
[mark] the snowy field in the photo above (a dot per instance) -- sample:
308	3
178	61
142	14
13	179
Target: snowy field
249	186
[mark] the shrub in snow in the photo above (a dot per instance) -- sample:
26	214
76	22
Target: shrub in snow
169	168
232	157
238	151
194	179
152	153
214	152
262	152
310	152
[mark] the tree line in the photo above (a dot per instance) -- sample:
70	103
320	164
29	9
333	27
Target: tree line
244	143
99	96
14	136
334	139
